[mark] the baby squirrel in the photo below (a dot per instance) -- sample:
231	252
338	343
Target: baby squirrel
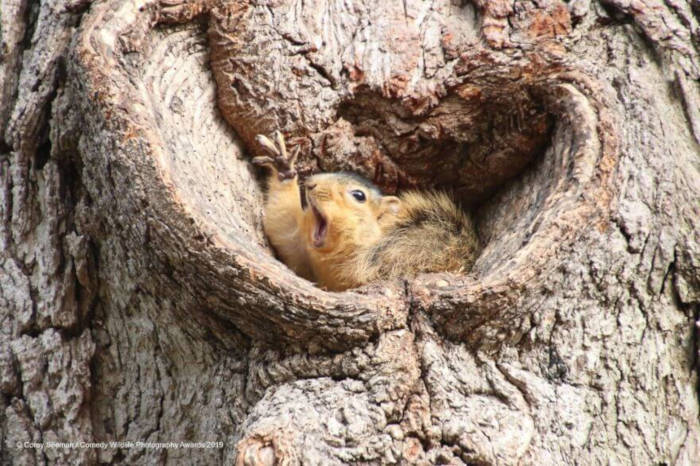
350	234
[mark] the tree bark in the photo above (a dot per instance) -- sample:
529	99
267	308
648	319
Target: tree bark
140	301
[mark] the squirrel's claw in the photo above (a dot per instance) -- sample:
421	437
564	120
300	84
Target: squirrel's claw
267	145
293	157
263	161
281	145
279	160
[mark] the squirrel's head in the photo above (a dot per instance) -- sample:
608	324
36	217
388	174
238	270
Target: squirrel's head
344	210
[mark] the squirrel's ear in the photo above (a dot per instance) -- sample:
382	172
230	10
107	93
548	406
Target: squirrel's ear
390	205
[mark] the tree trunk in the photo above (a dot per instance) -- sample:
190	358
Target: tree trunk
140	301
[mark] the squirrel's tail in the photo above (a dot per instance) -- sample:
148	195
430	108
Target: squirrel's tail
431	234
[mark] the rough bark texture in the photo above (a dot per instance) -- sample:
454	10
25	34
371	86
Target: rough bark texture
139	300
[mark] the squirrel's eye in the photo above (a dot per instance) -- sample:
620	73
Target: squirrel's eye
358	195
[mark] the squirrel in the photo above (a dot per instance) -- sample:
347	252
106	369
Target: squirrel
350	234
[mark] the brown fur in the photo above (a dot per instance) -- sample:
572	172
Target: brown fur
381	238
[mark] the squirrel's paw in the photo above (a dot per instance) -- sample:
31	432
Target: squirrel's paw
277	159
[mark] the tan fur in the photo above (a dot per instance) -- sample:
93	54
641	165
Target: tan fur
383	237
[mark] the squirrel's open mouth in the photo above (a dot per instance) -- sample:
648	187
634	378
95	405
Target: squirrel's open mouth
320	227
